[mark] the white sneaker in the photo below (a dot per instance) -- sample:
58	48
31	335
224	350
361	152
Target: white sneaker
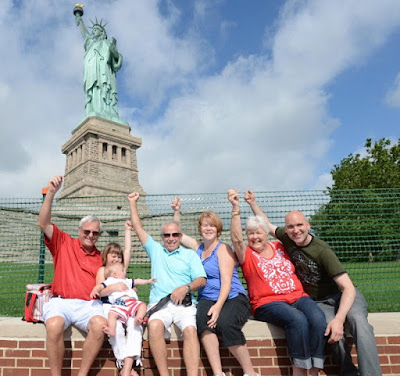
119	363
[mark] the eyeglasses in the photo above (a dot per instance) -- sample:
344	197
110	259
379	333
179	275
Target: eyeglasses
174	235
88	232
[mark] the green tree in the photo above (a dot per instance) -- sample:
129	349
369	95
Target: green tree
362	216
379	168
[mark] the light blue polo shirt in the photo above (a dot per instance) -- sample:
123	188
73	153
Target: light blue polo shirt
172	269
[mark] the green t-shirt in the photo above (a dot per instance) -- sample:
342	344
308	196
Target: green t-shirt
315	265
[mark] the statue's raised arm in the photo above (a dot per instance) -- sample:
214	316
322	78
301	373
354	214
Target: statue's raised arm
78	12
101	63
80	23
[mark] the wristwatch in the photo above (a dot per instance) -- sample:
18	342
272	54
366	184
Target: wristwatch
189	288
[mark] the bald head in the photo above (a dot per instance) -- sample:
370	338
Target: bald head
296	216
297	228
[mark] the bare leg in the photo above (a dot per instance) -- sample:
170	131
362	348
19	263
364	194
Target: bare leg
158	346
241	353
299	371
141	311
92	344
133	373
55	344
210	343
111	324
313	371
191	351
127	367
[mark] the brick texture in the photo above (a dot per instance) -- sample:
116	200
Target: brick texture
25	357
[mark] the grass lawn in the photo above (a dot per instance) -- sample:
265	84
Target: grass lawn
378	281
14	277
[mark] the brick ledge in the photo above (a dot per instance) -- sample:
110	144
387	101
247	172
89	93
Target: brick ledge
385	324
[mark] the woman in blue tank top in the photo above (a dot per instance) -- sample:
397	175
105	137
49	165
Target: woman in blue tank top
223	306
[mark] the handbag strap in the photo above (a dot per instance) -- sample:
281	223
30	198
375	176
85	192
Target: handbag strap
156	308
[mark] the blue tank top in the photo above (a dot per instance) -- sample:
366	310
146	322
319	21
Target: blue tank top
213	285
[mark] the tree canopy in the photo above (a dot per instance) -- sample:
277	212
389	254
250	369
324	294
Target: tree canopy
378	168
364	205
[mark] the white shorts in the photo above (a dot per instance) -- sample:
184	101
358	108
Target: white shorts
179	315
75	312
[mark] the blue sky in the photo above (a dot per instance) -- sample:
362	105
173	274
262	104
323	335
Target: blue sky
260	94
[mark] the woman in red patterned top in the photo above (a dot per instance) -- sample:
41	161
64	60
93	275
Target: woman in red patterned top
276	294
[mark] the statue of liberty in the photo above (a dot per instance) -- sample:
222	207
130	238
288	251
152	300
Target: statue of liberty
101	63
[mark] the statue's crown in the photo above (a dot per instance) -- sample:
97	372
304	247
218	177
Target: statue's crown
99	24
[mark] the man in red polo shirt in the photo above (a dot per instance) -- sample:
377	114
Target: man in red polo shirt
76	262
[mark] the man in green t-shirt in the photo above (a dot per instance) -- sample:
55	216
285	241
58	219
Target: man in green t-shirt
325	280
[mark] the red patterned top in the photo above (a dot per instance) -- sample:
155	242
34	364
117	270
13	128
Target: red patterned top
272	279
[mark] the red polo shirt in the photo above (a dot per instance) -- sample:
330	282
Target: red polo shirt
74	268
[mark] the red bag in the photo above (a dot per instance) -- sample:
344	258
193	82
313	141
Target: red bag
35	296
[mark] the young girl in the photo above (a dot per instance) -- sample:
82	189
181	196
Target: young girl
126	348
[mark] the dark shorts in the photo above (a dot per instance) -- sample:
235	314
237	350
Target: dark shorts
234	314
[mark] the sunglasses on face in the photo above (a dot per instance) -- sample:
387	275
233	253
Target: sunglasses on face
174	235
88	232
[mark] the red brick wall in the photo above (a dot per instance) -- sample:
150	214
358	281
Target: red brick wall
27	357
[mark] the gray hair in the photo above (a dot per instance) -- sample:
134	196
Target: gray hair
172	222
90	219
255	222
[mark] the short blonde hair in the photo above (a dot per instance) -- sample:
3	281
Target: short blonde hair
214	219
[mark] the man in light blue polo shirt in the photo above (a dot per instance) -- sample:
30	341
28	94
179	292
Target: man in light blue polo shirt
178	270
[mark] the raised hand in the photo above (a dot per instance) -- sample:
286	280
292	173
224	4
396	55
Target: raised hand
176	204
128	225
55	184
133	197
250	197
233	197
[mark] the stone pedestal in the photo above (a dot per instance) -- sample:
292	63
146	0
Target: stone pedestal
101	160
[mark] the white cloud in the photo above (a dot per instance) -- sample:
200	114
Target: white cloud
323	181
392	97
156	61
262	122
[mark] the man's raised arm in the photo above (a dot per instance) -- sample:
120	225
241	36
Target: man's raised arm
250	198
187	241
45	212
136	222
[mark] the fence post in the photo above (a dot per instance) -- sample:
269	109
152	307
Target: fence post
42	248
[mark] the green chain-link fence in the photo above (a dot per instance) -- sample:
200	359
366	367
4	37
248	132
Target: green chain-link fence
362	226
